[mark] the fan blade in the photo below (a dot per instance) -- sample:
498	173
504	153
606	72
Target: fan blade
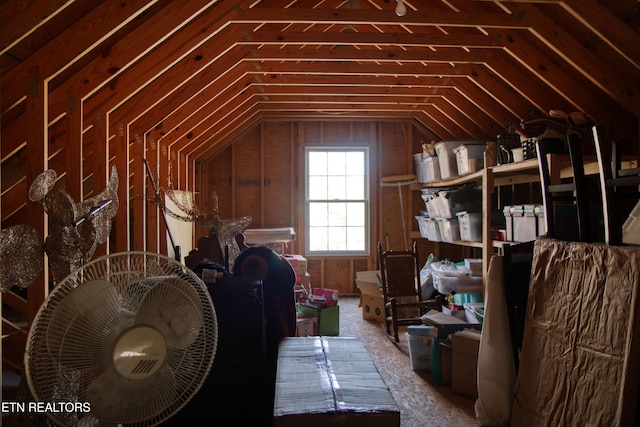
117	399
84	321
174	308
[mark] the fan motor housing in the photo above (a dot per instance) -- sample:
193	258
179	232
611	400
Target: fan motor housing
139	352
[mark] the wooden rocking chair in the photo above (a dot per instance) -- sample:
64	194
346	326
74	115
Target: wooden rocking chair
400	276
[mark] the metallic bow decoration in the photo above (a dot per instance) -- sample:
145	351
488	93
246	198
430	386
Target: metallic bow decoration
20	257
75	229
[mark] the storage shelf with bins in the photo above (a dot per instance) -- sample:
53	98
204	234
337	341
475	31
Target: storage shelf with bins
489	178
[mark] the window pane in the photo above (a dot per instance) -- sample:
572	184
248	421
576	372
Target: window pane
355	188
337	188
318	214
355	215
336	163
356	239
318	187
337	214
337	239
317	163
318	238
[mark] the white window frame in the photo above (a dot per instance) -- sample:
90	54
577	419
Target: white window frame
366	201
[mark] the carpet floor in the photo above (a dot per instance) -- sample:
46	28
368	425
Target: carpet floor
422	402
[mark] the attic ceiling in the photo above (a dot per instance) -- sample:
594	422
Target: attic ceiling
191	75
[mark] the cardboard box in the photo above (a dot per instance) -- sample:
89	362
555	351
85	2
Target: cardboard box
322	381
464	373
324	295
328	317
441	361
371	299
298	262
446	324
306	326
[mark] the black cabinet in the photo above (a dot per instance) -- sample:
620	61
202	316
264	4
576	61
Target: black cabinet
239	388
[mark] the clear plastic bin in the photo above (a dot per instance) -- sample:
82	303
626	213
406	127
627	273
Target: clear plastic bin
470	226
449	229
465	199
447	158
469	158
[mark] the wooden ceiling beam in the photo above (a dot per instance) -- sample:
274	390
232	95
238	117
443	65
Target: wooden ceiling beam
345	38
607	26
20	19
259	15
602	75
71	45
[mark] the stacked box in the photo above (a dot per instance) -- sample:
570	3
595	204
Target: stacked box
441	361
306	326
328	317
298	262
465	345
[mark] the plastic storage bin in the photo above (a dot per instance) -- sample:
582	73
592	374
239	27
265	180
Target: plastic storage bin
420	339
447	158
420	167
451	202
524	222
431	204
469	158
445	284
470	224
422	225
432	169
449	229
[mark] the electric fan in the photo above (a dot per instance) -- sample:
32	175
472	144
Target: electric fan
126	339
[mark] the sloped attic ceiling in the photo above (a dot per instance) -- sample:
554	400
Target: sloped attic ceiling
192	75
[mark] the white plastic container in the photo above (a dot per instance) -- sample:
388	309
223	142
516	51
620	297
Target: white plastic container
420	167
470	224
524	222
469	158
452	201
464	284
433	230
447	158
431	204
432	169
449	229
422	225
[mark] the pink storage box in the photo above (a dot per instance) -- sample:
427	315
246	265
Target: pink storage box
324	295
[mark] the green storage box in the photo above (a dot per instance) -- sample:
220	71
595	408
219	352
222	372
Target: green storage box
328	318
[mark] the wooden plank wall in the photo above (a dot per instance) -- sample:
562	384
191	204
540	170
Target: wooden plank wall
261	174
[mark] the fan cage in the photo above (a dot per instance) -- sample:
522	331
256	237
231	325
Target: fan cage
65	364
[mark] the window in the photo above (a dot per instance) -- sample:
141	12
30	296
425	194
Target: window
337	201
